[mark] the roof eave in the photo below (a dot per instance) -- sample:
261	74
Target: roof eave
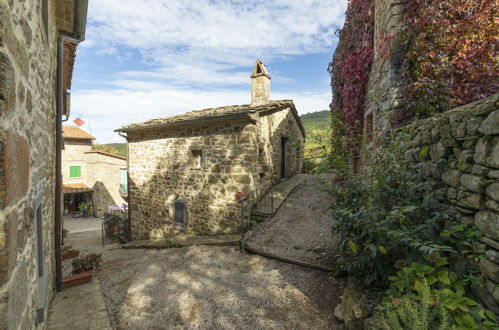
186	122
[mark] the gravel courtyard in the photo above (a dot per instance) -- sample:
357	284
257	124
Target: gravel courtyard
218	287
203	287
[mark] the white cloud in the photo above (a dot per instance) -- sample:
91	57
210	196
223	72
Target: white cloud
105	110
208	42
184	45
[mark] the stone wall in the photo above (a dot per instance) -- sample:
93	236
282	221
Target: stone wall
27	158
385	88
460	149
238	155
161	171
105	179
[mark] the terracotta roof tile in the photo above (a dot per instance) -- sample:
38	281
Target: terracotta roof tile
105	154
70	188
73	132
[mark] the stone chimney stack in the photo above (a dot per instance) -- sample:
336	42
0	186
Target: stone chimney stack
260	84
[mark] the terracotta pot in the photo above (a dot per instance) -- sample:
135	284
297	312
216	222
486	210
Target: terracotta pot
115	228
64	249
76	279
70	255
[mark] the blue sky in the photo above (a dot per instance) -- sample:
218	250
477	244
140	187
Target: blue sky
155	58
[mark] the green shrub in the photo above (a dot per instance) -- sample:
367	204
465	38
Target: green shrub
434	283
388	214
91	262
422	314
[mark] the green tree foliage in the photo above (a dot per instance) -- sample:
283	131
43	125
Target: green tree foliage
118	149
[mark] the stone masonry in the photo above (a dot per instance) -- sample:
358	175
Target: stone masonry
460	149
28	48
239	148
385	87
27	162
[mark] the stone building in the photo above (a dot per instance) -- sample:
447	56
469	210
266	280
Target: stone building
36	65
459	148
95	176
184	170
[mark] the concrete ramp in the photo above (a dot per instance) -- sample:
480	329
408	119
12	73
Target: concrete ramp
300	232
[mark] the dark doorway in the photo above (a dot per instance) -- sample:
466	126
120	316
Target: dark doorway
283	156
180	216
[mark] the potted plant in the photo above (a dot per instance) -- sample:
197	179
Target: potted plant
83	268
70	253
85	209
64	249
65	232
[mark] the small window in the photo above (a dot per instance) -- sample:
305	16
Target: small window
369	127
39	240
75	171
180	216
196	159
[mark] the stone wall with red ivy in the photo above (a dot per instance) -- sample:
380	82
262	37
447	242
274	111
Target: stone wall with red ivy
401	60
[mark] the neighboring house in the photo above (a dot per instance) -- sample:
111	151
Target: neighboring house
184	170
36	66
95	176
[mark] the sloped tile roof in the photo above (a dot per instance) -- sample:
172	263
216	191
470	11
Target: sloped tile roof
70	188
73	132
210	113
105	154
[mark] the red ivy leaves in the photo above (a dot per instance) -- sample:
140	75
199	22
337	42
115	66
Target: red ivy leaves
356	68
350	68
451	58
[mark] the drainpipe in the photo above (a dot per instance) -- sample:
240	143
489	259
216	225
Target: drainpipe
129	233
58	145
80	21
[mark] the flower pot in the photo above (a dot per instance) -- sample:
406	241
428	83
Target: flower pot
70	255
76	279
64	249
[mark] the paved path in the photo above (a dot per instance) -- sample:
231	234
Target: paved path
301	228
78	225
79	308
282	190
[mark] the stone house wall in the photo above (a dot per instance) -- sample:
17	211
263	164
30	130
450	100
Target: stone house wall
238	155
105	179
98	171
272	126
27	158
73	154
460	149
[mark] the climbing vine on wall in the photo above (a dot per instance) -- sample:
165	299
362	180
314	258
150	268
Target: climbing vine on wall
451	56
349	72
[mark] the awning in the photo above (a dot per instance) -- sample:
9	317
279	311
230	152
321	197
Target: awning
72	188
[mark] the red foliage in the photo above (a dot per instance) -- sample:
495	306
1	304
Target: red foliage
350	70
452	52
356	68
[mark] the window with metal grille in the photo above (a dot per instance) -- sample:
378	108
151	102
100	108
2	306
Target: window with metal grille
39	239
75	171
179	216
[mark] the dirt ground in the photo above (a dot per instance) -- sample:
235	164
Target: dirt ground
203	287
301	228
218	287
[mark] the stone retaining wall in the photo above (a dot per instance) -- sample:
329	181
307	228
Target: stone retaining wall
460	149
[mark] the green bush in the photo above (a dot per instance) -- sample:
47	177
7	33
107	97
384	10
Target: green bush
432	283
422	314
391	213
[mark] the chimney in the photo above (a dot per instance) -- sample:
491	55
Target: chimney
260	84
